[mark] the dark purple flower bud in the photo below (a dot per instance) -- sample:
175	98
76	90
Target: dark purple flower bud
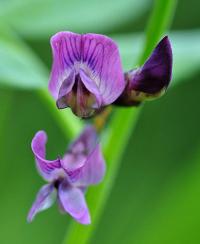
151	80
86	72
69	177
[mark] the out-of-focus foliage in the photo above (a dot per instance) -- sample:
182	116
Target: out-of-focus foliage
36	19
19	178
156	195
19	66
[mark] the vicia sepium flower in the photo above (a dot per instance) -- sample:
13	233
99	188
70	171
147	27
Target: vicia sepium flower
86	72
68	177
151	80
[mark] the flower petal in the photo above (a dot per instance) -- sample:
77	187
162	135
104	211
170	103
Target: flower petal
73	202
156	73
72	161
44	200
92	87
85	142
50	170
92	172
74	94
101	56
65	89
66	52
96	55
79	150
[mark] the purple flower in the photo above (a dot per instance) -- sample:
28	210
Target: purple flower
86	72
68	177
152	79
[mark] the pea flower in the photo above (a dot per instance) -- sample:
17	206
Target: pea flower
68	177
86	72
151	80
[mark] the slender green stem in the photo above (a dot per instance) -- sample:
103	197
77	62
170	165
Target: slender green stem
159	22
98	195
68	123
7	100
121	128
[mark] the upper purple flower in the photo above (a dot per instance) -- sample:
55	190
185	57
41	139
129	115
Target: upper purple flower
86	72
152	79
81	166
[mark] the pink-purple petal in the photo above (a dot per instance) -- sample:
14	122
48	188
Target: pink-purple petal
73	202
101	55
66	51
92	87
65	89
72	162
78	151
49	169
44	200
85	142
92	172
93	57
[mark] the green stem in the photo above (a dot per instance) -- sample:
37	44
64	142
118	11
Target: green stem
159	23
121	128
98	195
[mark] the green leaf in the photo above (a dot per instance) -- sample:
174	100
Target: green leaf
21	68
121	126
159	22
77	15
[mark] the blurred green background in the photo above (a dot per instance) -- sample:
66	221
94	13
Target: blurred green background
156	196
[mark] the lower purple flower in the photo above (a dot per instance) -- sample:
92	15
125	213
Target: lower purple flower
68	177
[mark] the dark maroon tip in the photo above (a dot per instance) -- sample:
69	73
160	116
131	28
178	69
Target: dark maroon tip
156	73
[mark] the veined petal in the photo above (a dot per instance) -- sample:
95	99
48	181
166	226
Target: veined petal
79	150
93	170
44	200
80	99
49	169
73	202
82	102
65	89
66	52
71	161
101	56
95	58
84	162
93	88
85	142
